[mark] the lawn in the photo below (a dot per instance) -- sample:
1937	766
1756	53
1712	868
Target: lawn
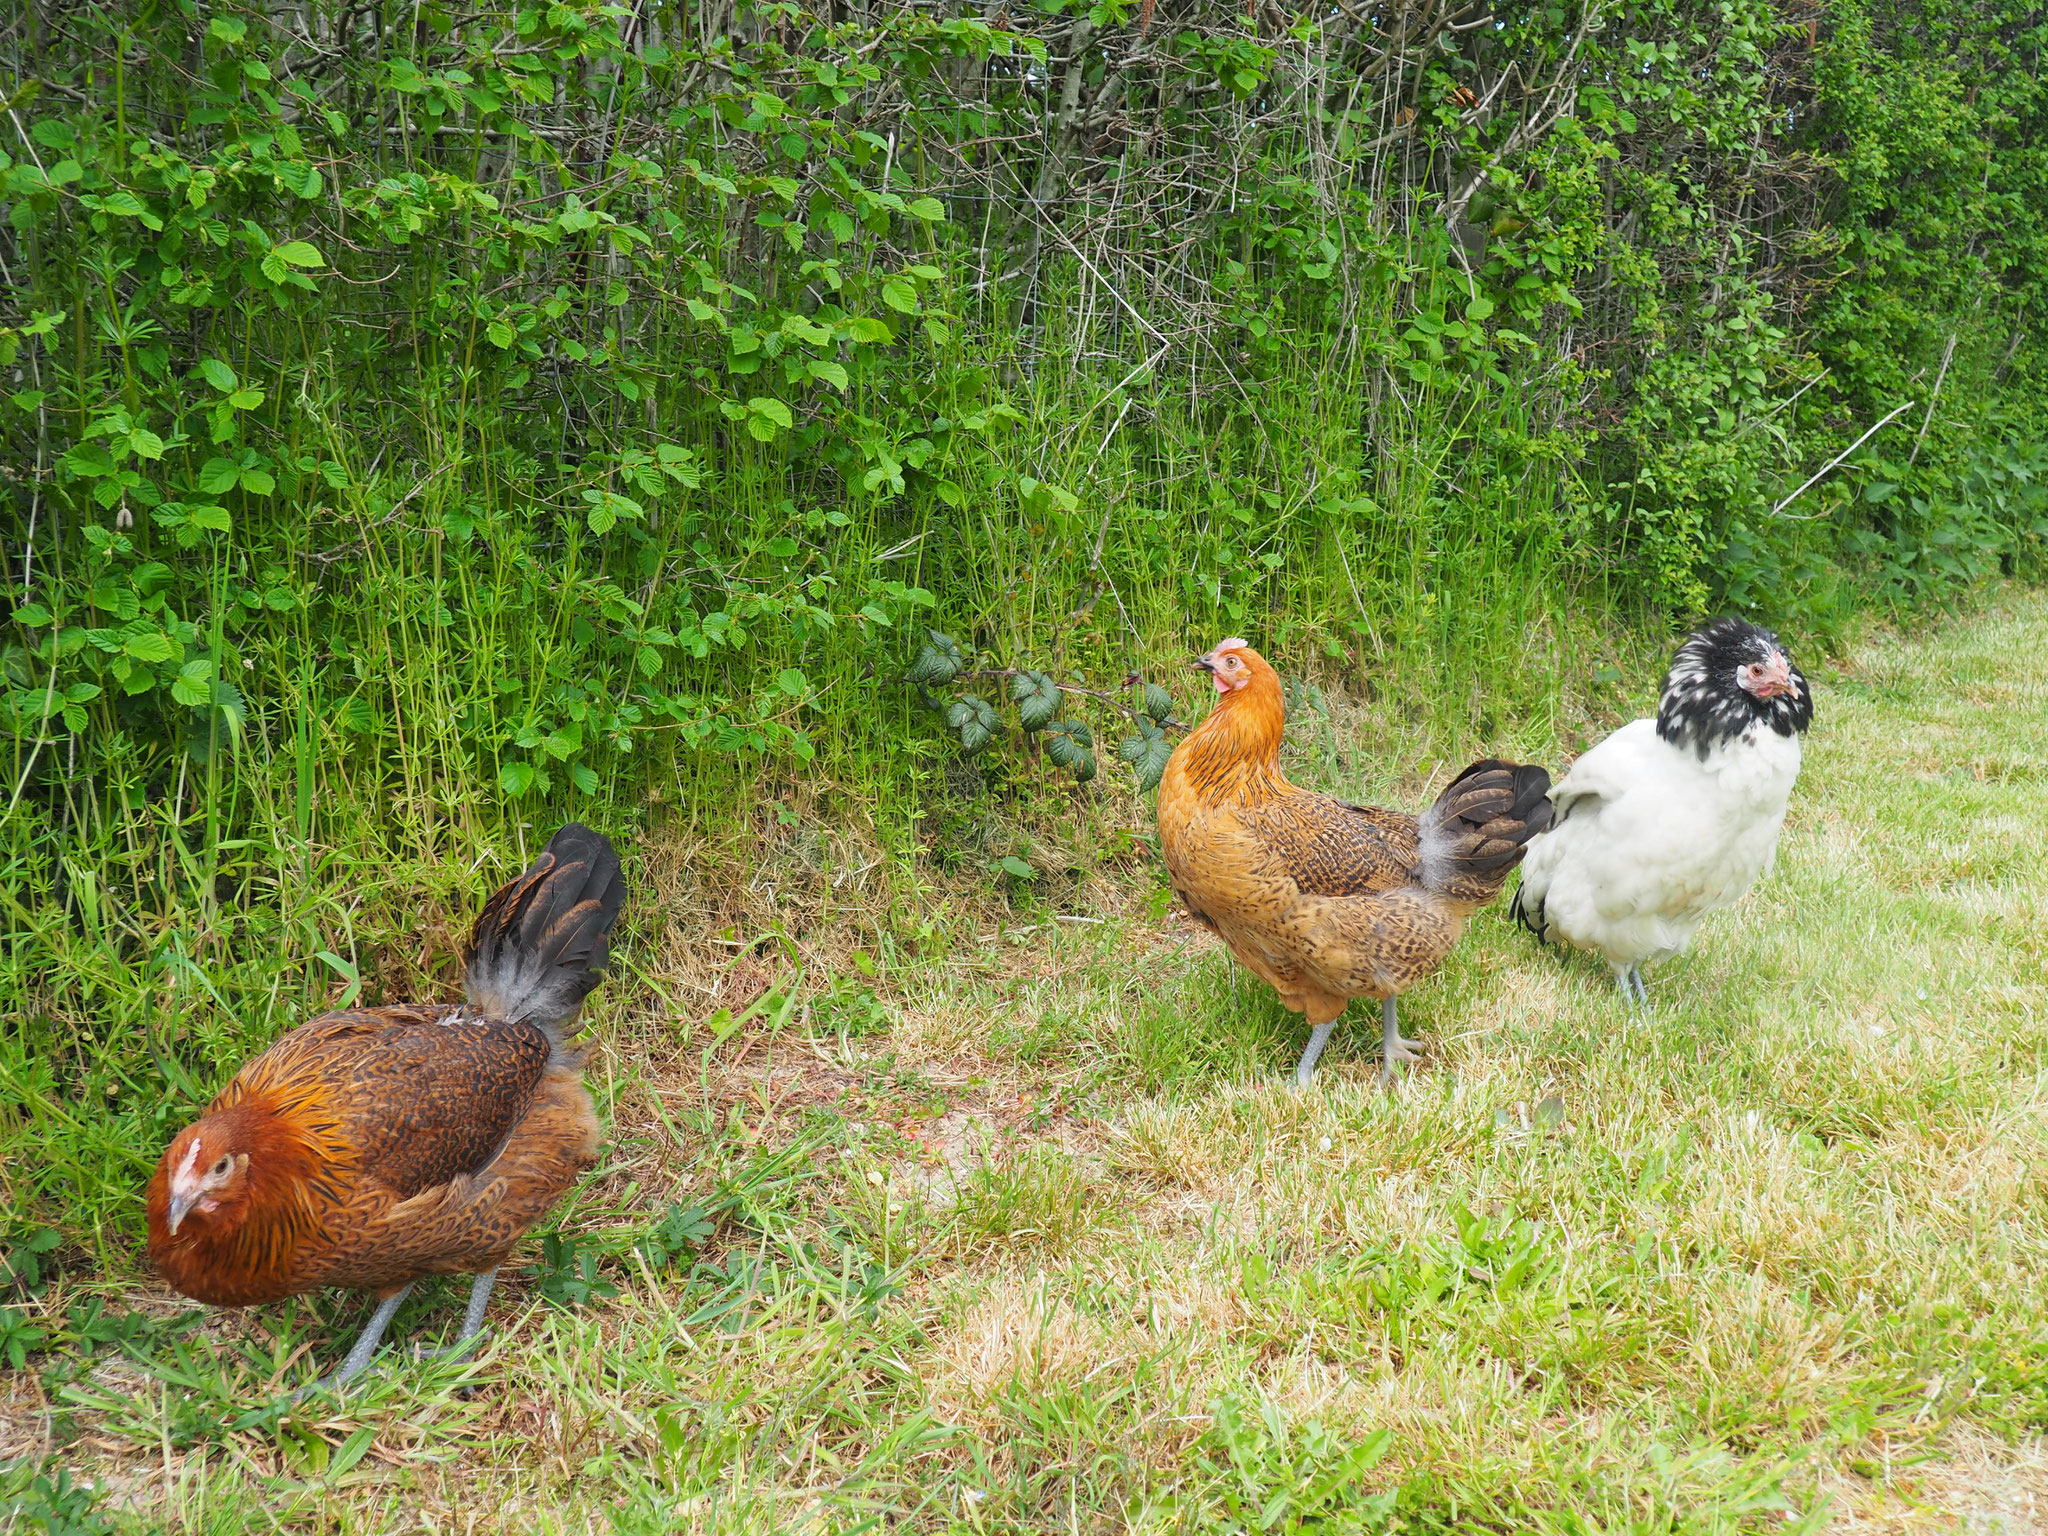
1032	1234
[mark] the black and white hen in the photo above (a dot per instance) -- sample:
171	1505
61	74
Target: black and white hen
1669	819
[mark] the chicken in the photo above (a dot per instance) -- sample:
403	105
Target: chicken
1670	819
374	1146
1323	900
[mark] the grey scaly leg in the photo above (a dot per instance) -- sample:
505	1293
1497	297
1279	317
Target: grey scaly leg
472	1321
365	1348
1392	1047
1316	1041
1622	975
1642	991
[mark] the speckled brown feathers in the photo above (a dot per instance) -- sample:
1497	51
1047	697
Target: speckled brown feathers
370	1147
1324	900
1333	848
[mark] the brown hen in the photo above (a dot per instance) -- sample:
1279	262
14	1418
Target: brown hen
374	1146
1323	900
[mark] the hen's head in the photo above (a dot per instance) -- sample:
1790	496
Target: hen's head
1727	680
202	1183
1239	744
1234	666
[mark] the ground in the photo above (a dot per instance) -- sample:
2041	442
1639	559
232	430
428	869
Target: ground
1034	1235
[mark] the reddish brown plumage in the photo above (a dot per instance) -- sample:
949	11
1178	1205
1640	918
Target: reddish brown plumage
370	1147
1324	900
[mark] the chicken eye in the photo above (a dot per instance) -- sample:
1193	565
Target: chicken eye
222	1168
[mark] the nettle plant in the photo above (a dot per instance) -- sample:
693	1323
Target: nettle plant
1038	699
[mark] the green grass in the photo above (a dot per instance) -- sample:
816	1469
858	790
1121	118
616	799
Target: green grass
1031	1234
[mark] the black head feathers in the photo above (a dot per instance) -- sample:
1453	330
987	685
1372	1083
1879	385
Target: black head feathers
1727	680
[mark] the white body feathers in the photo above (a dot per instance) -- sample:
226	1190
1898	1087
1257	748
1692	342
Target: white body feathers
1650	837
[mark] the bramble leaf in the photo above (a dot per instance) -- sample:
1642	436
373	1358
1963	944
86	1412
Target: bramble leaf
1038	699
1147	753
975	721
938	660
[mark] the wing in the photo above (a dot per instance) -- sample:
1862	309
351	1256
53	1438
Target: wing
1619	762
1333	848
421	1094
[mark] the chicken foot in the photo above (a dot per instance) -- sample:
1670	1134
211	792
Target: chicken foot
1392	1047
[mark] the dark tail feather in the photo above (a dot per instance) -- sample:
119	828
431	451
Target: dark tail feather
1480	826
540	944
1518	909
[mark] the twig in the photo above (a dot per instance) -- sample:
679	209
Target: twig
1779	409
1927	421
328	556
1831	463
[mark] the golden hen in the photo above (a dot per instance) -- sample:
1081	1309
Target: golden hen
1323	900
374	1146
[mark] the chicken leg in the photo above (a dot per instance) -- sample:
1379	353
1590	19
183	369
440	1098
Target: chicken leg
1634	993
472	1321
364	1350
1318	1038
1392	1047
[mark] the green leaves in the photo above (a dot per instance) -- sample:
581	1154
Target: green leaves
18	1339
938	661
249	470
1158	703
605	508
1037	698
1067	743
188	523
278	264
763	416
193	685
973	720
1147	753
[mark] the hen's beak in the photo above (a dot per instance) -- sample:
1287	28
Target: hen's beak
182	1202
1777	677
1204	664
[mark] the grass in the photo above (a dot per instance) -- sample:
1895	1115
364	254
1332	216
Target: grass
1024	1231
